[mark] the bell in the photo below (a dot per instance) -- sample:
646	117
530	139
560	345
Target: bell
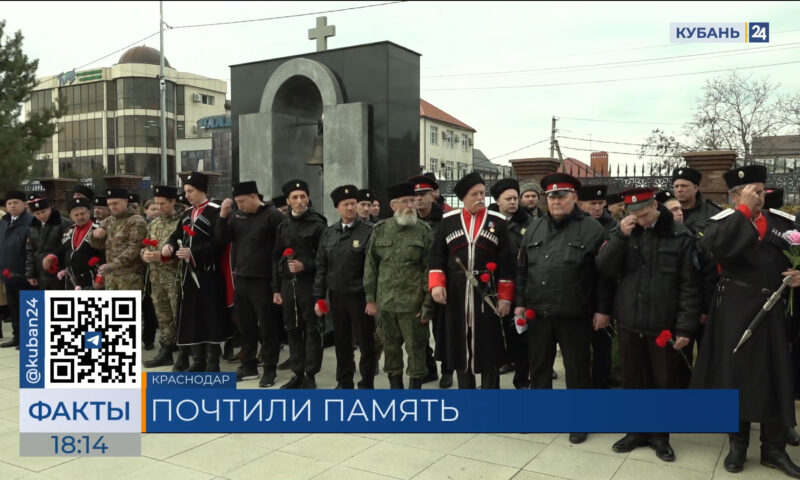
316	153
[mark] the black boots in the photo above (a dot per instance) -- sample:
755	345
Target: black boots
163	358
213	353
778	459
396	382
414	383
737	455
198	358
182	363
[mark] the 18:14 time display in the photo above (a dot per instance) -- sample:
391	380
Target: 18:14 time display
77	445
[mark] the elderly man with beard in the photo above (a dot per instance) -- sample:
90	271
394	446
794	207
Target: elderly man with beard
396	284
473	241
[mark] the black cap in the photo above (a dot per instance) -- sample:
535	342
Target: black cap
79	202
182	199
613	198
117	193
365	195
466	183
502	185
99	201
33	196
134	198
38	204
14	195
664	195
293	185
686	173
279	201
773	197
344	192
83	190
245	188
404	189
430	175
198	180
587	193
745	175
559	182
165	191
423	183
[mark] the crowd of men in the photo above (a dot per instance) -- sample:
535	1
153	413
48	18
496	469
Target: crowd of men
498	287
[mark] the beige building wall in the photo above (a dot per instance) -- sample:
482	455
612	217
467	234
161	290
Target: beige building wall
436	148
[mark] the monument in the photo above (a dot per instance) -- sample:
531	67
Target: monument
347	115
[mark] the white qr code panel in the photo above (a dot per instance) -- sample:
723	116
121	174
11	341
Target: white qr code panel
93	339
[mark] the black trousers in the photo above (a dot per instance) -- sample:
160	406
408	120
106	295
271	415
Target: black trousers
601	358
349	320
773	436
518	350
149	319
258	321
489	380
12	295
574	335
303	327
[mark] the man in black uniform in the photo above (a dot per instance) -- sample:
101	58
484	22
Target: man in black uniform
81	260
431	213
506	193
558	280
747	244
653	258
364	198
470	240
251	229
340	274
294	265
44	248
81	190
100	211
592	200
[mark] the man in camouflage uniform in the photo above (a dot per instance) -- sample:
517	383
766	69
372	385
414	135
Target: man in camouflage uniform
162	277
121	236
395	281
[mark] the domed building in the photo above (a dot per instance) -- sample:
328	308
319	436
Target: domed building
113	117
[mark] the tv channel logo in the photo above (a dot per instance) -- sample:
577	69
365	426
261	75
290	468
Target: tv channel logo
748	32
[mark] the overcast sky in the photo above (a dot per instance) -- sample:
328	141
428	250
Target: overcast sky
464	45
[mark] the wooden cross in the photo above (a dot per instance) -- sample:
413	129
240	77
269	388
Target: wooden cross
321	33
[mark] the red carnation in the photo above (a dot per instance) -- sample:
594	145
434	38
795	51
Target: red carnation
98	279
322	305
94	261
288	252
521	321
485	277
146	242
530	314
53	265
491	266
7	273
189	231
154	242
664	338
164	259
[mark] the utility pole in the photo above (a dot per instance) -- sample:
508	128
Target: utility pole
553	137
163	88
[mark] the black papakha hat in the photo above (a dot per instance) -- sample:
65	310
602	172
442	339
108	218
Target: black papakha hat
744	175
466	183
404	189
344	192
245	188
686	173
587	193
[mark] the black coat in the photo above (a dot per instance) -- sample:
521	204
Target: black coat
202	315
697	218
556	272
340	259
466	309
45	240
76	260
253	237
13	238
659	284
434	219
751	270
608	222
302	234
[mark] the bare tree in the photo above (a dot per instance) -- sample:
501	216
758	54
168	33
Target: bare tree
789	110
666	147
732	110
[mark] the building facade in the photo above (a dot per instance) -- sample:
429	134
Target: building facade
113	121
445	143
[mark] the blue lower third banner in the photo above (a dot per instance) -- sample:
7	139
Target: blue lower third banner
219	410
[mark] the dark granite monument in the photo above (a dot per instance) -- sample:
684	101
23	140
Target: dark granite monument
362	102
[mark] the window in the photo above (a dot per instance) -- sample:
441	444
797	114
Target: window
111	93
462	169
41	101
85	98
464	143
434	135
207	99
449	139
434	163
448	170
181	129
180	107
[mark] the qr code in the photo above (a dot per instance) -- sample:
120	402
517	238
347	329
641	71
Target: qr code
93	339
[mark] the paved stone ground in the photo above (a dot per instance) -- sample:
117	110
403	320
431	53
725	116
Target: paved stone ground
368	456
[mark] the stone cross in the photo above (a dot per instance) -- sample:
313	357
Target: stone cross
321	33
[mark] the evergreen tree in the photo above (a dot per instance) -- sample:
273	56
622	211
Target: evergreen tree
20	138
